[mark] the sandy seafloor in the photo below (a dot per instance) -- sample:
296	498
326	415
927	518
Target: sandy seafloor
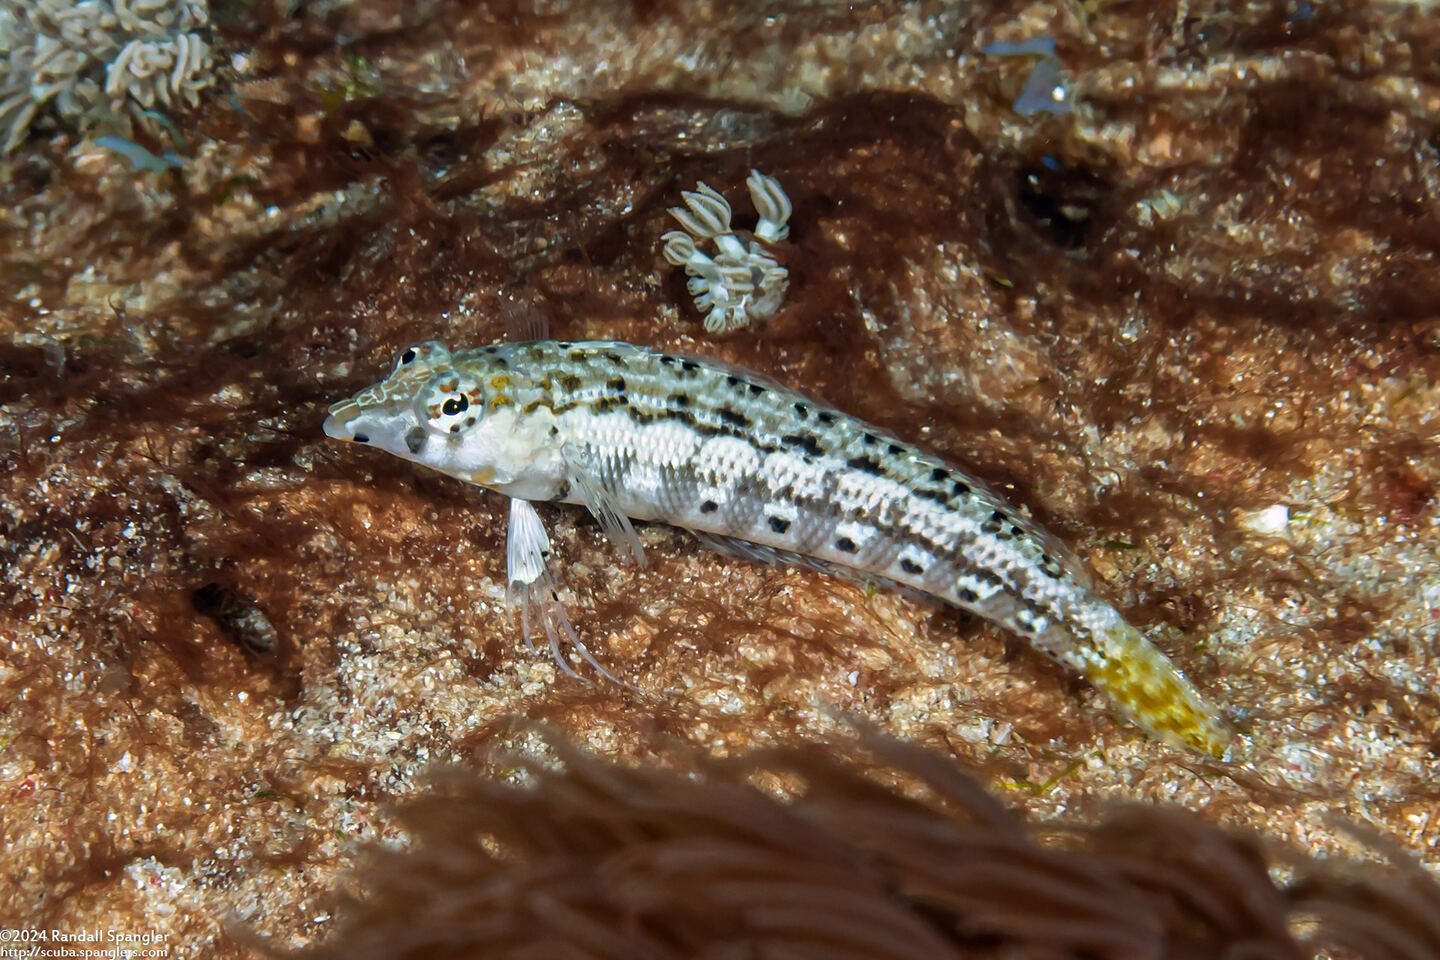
1190	326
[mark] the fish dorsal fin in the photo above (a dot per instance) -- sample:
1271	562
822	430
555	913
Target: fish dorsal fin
525	321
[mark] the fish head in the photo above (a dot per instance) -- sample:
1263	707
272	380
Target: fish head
456	413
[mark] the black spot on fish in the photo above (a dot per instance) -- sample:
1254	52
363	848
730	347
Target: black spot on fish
734	381
826	418
756	390
616	383
910	566
415	440
689	366
870	439
868	464
709	506
845	544
804	441
719	430
1016	532
939	475
570	382
960	489
613	357
361	438
939	496
802	410
680	399
669	361
896	450
969	596
779	524
734	419
997	519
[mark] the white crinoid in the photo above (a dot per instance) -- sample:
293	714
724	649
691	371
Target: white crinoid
742	283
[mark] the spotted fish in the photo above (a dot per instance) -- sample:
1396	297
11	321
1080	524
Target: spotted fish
751	466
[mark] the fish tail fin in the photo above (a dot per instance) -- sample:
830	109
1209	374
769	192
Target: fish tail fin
1153	691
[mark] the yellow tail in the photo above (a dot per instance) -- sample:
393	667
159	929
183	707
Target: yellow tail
1144	682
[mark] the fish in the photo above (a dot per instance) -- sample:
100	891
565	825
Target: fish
755	468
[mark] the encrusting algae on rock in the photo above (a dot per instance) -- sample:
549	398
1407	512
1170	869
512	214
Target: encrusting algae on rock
1206	295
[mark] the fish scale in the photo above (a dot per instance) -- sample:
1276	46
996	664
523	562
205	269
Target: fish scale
751	464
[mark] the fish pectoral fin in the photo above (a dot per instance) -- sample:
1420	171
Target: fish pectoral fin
531	588
604	507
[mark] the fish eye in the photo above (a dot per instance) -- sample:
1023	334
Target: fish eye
429	351
410	355
454	414
450	404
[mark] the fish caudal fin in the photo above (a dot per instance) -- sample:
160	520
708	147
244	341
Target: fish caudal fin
1143	682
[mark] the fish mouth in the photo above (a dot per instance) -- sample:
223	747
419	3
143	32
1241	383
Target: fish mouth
340	424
